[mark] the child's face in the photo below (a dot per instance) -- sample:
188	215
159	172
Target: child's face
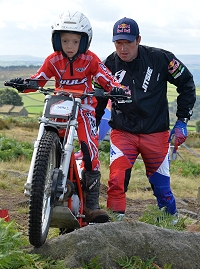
70	43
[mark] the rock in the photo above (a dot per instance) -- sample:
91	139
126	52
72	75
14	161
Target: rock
114	240
188	213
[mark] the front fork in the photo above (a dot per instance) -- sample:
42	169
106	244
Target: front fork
27	185
66	156
68	149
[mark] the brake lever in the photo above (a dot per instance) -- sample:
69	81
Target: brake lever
122	101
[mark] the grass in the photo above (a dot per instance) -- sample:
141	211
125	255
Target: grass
184	174
11	149
35	261
136	263
184	171
12	255
125	263
152	215
182	186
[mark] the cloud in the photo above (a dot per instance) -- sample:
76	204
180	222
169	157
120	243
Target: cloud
25	26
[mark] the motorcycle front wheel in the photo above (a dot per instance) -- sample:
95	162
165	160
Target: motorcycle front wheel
40	210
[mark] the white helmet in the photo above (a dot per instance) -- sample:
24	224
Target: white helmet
75	22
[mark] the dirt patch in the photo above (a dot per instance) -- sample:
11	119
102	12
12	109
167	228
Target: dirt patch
17	205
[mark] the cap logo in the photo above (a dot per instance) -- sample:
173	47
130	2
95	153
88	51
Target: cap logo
123	28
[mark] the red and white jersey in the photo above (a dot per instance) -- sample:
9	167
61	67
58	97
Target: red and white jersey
75	76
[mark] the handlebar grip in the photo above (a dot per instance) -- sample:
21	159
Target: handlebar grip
98	92
8	83
27	84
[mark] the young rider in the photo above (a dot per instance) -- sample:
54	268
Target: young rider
73	66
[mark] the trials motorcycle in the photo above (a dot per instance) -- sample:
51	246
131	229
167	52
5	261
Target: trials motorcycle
53	183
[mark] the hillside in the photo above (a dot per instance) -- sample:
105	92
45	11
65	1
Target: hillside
16	60
9	72
192	62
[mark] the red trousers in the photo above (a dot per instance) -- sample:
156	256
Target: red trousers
154	150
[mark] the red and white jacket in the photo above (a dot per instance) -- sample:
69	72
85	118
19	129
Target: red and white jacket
75	76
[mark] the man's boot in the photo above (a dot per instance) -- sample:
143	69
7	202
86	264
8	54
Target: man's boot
90	186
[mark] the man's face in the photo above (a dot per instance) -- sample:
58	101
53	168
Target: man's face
127	50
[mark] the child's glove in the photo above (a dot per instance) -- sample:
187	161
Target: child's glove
20	86
17	80
179	131
117	91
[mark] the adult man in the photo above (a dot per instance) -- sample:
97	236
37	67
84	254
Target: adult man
142	127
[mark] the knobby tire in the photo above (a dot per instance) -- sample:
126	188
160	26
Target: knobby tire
40	211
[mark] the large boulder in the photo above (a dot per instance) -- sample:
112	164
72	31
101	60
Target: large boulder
114	240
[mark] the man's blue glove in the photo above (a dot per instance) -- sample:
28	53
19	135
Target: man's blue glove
179	131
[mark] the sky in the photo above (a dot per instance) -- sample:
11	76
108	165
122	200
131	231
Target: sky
25	26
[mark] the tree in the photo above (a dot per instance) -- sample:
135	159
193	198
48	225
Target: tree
10	97
198	126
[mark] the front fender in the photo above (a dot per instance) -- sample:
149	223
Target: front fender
51	128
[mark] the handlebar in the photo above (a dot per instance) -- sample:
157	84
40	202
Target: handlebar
33	84
8	83
28	84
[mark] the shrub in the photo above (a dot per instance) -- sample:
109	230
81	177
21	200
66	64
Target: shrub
21	122
3	125
198	126
11	149
186	168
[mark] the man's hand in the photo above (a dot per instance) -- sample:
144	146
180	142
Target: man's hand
179	131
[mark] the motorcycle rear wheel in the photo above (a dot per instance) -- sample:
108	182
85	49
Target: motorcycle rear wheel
40	210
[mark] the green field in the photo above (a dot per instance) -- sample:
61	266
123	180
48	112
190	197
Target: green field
34	101
172	93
